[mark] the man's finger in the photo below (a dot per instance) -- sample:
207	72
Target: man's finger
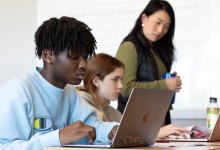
92	137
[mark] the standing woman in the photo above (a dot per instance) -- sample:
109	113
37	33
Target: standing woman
148	51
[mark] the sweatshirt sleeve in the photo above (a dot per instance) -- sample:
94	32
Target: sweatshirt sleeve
37	142
84	112
16	123
128	55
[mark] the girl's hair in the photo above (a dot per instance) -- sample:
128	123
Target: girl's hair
65	33
99	65
164	46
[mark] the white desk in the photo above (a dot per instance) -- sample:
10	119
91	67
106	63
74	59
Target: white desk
157	146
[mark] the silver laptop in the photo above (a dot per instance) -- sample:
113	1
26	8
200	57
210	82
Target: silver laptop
142	118
212	136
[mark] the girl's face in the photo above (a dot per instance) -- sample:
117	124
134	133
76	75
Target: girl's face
156	25
110	87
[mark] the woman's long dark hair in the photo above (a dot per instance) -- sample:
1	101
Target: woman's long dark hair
164	46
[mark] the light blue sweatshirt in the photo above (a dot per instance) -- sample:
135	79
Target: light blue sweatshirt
32	111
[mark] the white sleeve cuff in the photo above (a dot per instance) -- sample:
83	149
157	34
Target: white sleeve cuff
50	139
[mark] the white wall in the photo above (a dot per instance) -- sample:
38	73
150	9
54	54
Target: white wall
18	22
196	38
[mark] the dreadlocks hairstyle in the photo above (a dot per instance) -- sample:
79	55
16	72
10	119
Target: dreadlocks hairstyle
65	33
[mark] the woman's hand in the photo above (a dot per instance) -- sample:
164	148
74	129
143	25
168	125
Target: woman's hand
174	84
172	130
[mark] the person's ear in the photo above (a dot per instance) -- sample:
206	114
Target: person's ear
48	56
96	81
143	19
